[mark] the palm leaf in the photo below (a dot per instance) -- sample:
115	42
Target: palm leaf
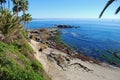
118	9
107	5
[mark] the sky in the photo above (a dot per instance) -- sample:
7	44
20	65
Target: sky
71	9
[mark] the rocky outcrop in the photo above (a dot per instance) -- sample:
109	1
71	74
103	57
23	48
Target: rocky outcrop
60	60
81	66
66	26
45	38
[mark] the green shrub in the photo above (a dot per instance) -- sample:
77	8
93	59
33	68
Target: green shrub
15	66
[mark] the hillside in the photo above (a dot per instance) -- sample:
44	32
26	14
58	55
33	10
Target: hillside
17	61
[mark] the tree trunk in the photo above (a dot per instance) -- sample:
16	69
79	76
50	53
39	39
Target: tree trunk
24	16
28	25
4	5
17	11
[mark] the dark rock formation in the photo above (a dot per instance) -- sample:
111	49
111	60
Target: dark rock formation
82	66
64	26
62	61
85	58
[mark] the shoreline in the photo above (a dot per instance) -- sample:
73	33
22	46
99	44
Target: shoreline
62	66
54	41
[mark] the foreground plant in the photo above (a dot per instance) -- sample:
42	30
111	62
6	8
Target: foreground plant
107	5
9	24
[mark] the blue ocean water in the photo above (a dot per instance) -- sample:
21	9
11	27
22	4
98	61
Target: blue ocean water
97	38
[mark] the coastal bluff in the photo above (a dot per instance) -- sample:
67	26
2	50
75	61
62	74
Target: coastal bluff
62	63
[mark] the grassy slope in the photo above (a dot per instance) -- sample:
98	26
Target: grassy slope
18	63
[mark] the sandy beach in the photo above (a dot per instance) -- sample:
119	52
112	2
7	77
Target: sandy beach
60	66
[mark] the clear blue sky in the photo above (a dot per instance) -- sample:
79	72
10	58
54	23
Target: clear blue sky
71	8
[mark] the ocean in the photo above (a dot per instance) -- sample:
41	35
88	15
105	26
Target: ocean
96	38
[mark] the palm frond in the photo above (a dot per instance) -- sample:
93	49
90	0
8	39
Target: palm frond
118	9
106	6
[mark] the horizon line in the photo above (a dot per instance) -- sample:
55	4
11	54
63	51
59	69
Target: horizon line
79	18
